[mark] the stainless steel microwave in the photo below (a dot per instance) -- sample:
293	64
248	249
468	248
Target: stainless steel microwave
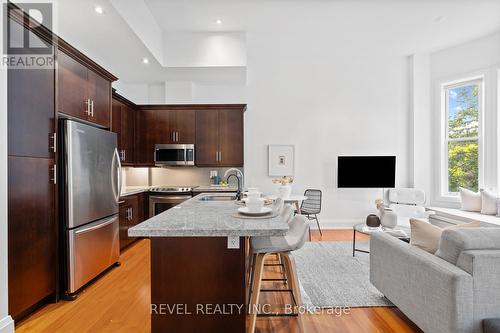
174	154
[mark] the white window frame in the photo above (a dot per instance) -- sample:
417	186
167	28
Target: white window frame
444	193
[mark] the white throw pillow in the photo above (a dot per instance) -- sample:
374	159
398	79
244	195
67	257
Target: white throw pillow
488	203
471	201
427	236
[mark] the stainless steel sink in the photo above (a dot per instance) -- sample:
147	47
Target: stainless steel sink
218	198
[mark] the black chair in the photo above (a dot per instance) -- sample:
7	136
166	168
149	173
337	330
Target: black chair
311	207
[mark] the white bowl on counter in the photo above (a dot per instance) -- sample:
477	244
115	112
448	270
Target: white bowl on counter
255	205
254	195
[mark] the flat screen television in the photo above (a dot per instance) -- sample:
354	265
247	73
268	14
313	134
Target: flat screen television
366	172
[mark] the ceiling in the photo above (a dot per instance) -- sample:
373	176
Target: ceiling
389	27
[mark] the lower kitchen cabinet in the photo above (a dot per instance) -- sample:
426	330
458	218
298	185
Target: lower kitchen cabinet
32	234
131	214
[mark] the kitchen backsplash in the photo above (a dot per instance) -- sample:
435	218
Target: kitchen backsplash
175	176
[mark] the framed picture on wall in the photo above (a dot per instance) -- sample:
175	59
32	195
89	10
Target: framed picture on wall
281	159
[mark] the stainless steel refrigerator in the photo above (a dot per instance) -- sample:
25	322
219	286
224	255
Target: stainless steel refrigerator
90	191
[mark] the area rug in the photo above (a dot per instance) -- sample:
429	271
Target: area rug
331	277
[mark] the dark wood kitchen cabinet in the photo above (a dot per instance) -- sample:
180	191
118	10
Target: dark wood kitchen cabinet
162	124
32	234
81	92
131	214
173	125
219	137
123	124
31	133
146	136
32	227
184	126
216	129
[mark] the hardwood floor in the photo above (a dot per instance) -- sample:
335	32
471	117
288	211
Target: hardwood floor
119	302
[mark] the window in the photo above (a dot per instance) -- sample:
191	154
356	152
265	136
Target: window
462	135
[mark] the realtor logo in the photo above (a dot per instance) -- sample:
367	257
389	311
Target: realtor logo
23	25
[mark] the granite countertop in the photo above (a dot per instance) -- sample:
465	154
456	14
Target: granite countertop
196	218
131	190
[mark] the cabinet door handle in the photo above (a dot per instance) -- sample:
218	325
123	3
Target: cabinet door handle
131	213
87	102
216	156
176	136
173	136
124	154
220	156
92	107
54	142
54	174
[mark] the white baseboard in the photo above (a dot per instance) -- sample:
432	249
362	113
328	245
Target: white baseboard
7	325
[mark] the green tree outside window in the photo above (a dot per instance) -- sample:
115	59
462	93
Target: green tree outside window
463	137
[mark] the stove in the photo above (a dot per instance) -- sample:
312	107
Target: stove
170	189
163	198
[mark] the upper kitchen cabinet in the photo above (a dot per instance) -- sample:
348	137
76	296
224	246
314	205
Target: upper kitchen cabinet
184	126
162	124
207	137
175	123
219	136
123	124
146	136
217	131
31	116
83	88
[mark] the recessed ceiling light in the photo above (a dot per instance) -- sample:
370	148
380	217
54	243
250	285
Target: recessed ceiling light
145	60
99	10
218	21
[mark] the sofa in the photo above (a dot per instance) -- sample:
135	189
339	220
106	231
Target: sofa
451	291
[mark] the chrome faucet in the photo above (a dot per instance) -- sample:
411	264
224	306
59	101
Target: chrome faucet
239	177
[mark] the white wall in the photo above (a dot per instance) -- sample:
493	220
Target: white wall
156	93
477	57
178	92
139	18
420	124
204	49
327	103
6	323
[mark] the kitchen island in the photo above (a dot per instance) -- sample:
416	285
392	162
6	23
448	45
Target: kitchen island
199	260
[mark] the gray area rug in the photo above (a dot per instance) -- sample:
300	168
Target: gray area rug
330	276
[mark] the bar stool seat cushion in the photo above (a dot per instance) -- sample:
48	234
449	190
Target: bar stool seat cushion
293	240
287	213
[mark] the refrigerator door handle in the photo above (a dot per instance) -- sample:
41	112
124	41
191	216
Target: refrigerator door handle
97	226
118	190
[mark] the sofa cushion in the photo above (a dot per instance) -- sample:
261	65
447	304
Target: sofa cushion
454	241
427	236
471	201
488	203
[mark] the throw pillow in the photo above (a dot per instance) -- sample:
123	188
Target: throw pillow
488	203
471	201
427	236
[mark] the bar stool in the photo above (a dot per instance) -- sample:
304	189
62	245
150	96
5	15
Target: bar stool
283	245
286	213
